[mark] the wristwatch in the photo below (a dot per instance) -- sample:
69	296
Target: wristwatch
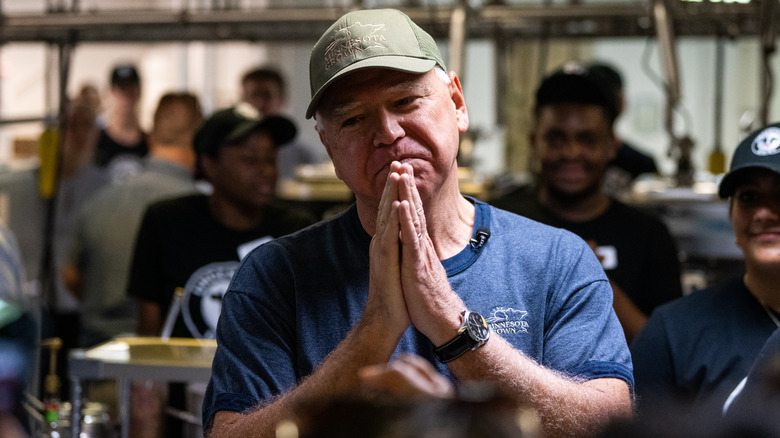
473	333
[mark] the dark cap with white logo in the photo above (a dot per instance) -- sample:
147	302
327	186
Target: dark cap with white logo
759	149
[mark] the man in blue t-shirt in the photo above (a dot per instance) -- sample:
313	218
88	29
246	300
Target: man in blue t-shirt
413	266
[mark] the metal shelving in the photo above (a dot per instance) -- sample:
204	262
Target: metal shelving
573	19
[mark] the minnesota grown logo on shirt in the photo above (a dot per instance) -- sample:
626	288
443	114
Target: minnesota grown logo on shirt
506	320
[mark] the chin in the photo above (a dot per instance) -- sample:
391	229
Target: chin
571	194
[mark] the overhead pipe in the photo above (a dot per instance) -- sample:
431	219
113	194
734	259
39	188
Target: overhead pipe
189	23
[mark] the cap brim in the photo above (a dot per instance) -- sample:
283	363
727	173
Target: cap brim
391	62
280	129
730	182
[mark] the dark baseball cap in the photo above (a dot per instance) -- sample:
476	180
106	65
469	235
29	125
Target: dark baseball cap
759	149
383	38
233	125
574	83
125	74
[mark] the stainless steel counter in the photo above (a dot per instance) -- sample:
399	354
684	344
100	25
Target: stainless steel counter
126	359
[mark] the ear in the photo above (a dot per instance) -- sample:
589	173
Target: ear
208	165
532	138
327	145
456	94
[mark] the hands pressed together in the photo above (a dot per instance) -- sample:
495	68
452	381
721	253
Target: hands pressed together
408	284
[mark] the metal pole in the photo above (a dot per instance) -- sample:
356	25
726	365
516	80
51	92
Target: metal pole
458	30
767	29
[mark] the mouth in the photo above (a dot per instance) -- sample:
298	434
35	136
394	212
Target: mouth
766	235
385	169
569	172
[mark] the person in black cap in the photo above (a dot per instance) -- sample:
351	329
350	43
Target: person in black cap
122	142
202	237
195	242
697	349
573	144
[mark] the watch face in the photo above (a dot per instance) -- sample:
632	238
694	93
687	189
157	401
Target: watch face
477	327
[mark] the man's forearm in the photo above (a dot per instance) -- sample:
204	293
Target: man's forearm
567	407
367	344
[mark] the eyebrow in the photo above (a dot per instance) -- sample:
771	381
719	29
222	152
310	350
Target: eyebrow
402	84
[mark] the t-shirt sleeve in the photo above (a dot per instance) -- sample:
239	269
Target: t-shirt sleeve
583	337
247	368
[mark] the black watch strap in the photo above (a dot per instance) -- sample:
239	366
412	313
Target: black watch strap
455	347
473	333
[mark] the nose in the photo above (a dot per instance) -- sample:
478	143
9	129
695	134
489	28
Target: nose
388	128
768	211
570	149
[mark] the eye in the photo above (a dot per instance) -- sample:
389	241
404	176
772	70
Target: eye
554	138
351	121
406	101
747	196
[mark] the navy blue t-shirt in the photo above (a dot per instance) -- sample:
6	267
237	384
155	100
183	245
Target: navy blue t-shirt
293	300
696	349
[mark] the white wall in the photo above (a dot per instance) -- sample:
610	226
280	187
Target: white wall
643	123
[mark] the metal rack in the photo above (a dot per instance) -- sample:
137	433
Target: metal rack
570	19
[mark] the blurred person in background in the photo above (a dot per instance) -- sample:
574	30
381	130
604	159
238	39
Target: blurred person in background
194	243
26	197
107	225
696	350
408	398
266	89
629	161
759	392
573	143
122	143
104	238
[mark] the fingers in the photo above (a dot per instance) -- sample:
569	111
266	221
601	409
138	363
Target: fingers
389	195
407	191
409	376
425	374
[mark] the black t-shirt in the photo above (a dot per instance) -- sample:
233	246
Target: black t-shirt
120	161
180	245
634	161
640	253
108	149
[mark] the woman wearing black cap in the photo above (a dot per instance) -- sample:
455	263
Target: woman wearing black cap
697	349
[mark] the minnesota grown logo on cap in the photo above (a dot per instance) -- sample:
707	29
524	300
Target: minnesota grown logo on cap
372	38
767	142
346	44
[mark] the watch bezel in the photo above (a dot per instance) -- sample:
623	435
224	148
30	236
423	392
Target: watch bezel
476	326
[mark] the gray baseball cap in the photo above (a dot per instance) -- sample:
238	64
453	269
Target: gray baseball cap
759	149
384	38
